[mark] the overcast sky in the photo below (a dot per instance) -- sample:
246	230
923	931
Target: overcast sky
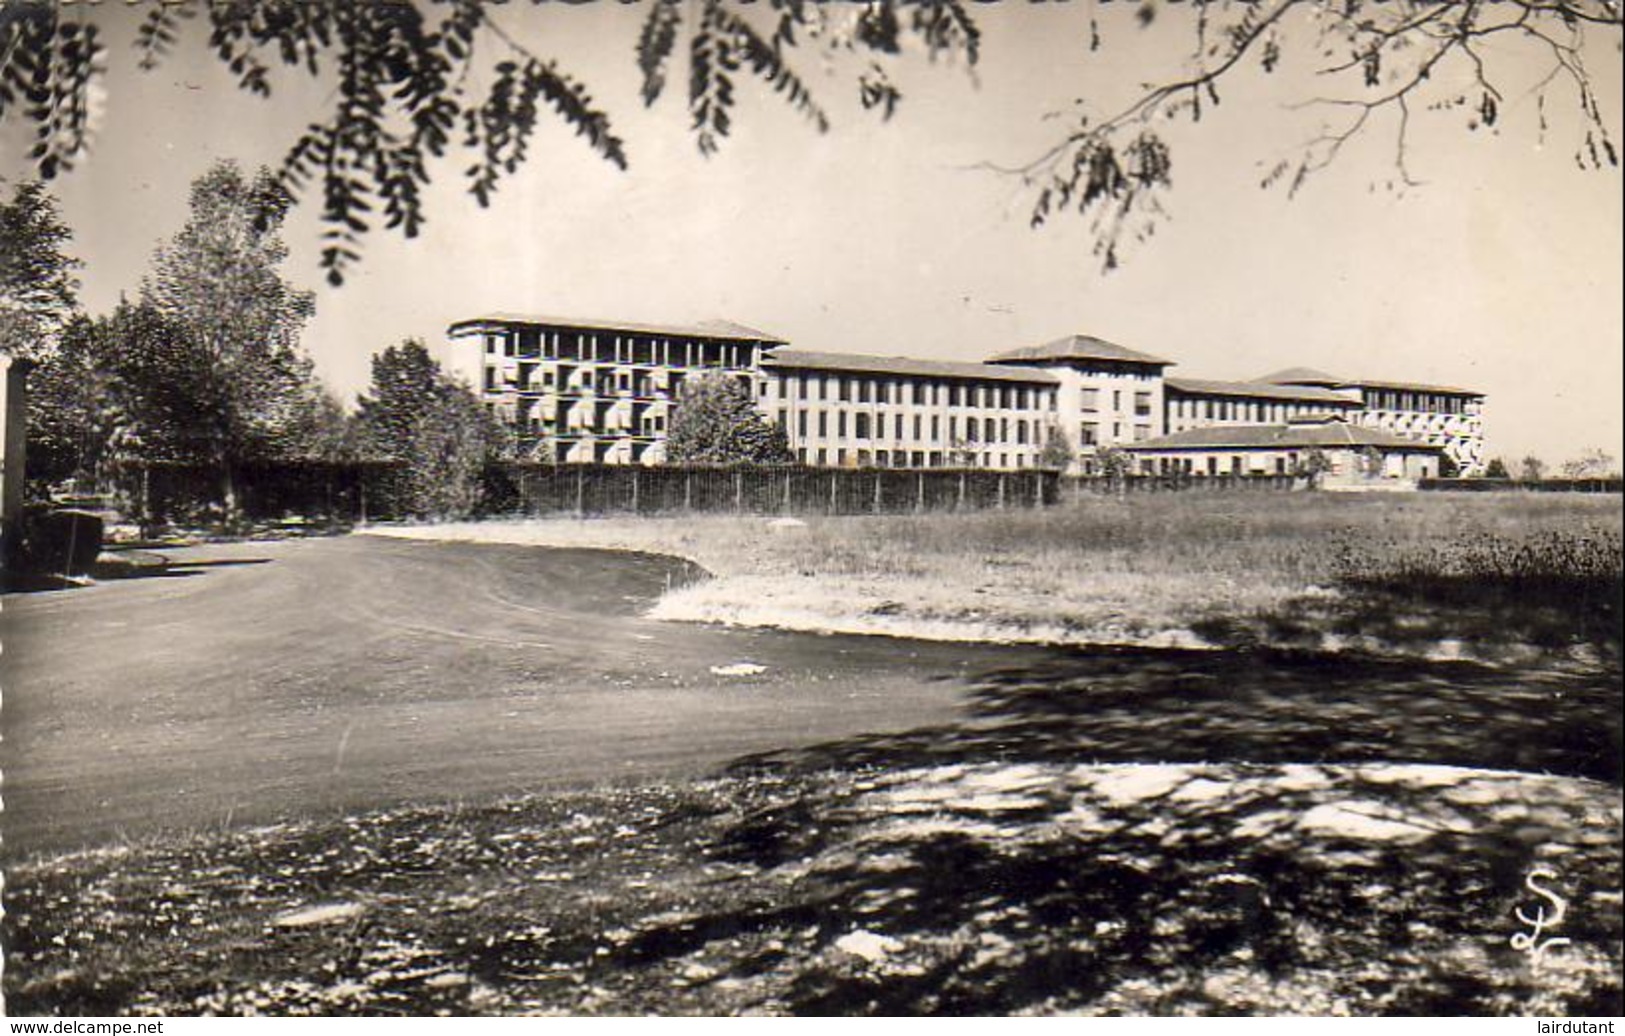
1501	273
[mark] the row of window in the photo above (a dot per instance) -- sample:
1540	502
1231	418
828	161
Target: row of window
1255	411
914	427
1089	433
633	349
1419	402
1091	401
841	457
849	389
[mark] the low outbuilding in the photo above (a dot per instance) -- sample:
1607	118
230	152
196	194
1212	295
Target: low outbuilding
1321	448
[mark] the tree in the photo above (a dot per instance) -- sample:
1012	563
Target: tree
1594	463
405	380
1533	469
1114	464
420	77
38	292
1371	462
1497	468
415	413
715	422
71	405
1057	452
234	323
1312	465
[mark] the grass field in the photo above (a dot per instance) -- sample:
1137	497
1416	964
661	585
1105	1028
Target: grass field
1442	574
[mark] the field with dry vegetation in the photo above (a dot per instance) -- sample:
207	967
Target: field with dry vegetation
1503	577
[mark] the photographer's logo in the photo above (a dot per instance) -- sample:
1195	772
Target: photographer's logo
1532	941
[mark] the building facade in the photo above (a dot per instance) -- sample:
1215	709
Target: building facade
598	392
1352	455
1450	418
883	411
590	391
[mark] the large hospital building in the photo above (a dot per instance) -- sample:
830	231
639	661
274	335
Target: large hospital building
604	392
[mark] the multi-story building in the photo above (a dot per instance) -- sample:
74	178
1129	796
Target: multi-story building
1451	418
1194	403
596	391
1106	395
890	411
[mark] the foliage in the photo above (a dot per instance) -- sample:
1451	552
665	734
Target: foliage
1312	464
1532	469
452	441
405	379
411	86
414	412
1497	468
72	414
1114	463
1595	463
1057	452
414	82
205	366
1369	60
233	321
715	422
38	292
1370	460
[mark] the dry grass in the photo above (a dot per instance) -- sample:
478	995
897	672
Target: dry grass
1142	569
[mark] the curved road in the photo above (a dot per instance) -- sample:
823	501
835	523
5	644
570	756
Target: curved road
256	681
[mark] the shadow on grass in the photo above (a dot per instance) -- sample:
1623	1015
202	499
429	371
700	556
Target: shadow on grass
1131	705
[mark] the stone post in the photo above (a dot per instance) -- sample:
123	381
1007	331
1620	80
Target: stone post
14	435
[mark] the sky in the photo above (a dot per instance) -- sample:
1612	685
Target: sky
1501	271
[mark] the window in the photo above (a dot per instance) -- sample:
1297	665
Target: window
1089	434
1142	404
801	424
1142	432
919	394
846	389
1091	399
863	391
840	425
861	426
823	430
936	428
490	379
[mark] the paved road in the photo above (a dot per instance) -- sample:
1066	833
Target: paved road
263	680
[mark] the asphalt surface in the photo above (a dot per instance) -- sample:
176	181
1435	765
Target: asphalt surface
259	681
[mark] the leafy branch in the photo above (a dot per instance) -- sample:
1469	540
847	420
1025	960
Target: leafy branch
1382	57
408	87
